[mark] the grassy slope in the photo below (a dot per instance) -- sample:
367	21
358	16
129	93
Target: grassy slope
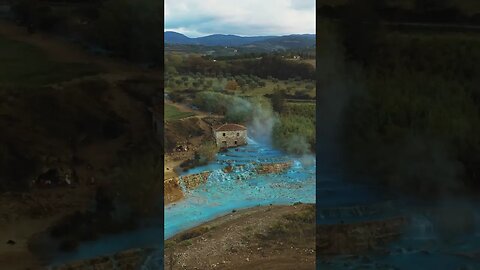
172	113
271	237
270	85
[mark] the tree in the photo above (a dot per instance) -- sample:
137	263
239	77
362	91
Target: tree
278	100
231	85
206	152
171	70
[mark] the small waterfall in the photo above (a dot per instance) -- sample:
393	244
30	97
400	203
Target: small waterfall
297	164
183	187
251	141
421	228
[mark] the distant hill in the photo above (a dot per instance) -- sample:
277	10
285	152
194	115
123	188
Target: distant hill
177	38
286	42
263	42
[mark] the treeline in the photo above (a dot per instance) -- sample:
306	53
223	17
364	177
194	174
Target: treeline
267	66
414	121
304	54
295	130
424	11
235	109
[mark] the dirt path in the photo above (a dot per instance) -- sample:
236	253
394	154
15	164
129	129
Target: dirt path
231	242
184	108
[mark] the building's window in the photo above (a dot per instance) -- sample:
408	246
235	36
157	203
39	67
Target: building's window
224	142
223	134
238	134
235	142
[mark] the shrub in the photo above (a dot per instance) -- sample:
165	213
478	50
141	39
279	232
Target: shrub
206	152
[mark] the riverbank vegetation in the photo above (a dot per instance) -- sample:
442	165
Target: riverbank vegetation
295	132
247	97
411	117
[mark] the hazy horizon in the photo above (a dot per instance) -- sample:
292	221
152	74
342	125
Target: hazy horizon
225	34
195	18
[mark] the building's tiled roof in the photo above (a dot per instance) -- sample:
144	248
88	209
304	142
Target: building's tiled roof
230	127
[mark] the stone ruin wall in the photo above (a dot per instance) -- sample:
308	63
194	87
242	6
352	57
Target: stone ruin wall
172	187
277	167
172	190
192	181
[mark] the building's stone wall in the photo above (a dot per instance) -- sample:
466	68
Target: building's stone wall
228	138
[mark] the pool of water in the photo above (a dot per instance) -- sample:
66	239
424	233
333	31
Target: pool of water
241	188
223	193
338	199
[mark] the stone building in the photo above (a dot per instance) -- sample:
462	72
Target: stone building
230	135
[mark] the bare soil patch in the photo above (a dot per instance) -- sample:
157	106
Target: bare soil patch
270	237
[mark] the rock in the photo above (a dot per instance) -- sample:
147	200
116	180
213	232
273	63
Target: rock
273	167
192	181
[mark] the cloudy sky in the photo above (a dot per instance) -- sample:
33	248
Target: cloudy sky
240	17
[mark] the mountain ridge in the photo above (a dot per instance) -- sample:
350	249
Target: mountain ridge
300	40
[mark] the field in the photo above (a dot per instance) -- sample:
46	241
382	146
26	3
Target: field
173	113
252	85
291	100
24	64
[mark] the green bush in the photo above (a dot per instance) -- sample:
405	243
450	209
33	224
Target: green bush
295	132
206	152
234	108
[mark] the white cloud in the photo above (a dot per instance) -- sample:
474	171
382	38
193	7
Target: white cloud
246	17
